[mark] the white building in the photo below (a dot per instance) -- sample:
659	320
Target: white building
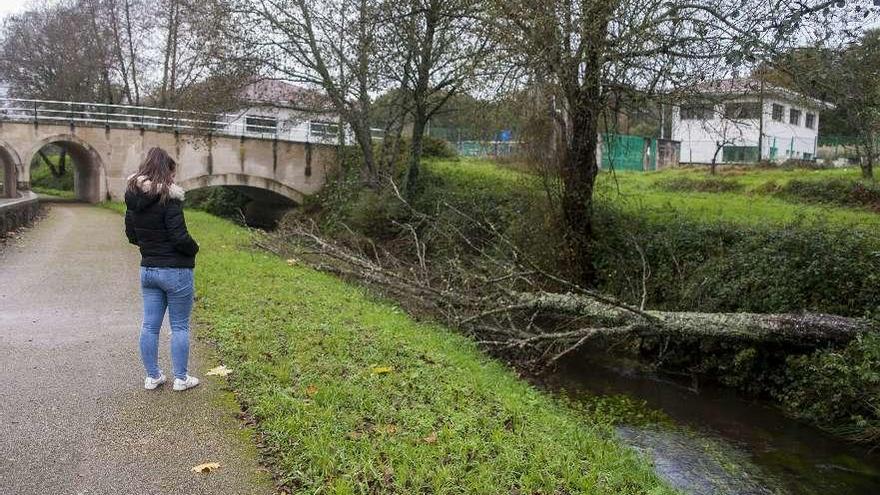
276	109
728	119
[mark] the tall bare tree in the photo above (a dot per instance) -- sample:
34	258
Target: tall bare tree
54	51
129	23
443	42
331	44
107	51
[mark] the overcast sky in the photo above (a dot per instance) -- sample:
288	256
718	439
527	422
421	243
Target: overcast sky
9	6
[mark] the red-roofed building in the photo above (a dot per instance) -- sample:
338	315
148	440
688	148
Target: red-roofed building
285	111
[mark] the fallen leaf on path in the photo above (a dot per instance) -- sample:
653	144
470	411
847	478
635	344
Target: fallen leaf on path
206	467
221	370
382	369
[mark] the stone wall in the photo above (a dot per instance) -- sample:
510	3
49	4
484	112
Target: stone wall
15	213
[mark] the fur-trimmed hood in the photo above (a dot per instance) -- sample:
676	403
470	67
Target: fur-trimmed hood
174	191
144	197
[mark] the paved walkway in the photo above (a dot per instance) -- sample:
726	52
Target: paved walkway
74	417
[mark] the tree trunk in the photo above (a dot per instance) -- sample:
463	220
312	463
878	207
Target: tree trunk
62	162
133	61
581	85
415	154
363	135
867	163
169	50
791	328
425	51
579	171
117	47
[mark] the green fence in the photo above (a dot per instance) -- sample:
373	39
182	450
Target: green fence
486	148
619	151
626	152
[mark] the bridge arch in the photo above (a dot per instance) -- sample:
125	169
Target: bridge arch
89	169
10	170
244	181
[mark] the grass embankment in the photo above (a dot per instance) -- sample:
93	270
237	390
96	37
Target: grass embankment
756	198
755	195
353	396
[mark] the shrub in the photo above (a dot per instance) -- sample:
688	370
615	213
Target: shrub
437	148
838	389
374	213
842	192
223	202
688	184
808	164
727	267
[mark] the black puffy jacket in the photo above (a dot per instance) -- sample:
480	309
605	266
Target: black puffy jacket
158	229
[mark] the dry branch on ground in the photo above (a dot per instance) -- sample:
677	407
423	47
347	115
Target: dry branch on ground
506	306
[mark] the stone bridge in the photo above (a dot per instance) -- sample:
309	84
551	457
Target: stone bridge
107	143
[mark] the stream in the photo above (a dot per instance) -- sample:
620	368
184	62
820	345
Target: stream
719	443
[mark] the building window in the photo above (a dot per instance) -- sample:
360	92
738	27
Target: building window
742	110
777	112
325	129
794	117
810	123
740	154
261	125
696	112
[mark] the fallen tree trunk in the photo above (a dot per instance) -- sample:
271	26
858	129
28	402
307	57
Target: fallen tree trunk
549	325
794	328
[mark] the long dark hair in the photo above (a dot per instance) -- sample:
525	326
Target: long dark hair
155	175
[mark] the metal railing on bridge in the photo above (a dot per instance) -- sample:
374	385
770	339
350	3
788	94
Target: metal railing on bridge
137	117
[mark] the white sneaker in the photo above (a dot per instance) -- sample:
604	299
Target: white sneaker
151	383
190	382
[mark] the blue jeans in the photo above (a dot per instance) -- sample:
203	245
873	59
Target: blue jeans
170	288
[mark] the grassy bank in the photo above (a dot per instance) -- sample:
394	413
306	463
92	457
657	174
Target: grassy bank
758	199
352	396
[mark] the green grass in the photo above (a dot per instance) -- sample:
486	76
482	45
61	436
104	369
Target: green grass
445	419
58	193
751	205
639	192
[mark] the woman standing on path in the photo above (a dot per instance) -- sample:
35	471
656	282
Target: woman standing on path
154	222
